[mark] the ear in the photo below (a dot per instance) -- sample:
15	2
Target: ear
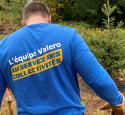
50	19
23	23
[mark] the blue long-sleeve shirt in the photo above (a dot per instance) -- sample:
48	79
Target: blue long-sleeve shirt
40	62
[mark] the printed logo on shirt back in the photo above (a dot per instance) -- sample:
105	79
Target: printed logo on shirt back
49	57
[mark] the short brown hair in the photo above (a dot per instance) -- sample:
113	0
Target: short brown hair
35	8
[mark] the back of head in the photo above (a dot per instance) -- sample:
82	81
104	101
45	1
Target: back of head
35	9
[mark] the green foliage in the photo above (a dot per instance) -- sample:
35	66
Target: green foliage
11	11
16	10
110	50
54	8
81	10
89	10
120	11
67	10
108	10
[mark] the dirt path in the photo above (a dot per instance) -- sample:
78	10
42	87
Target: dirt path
93	102
121	86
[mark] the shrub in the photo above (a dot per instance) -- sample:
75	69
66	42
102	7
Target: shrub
11	12
109	50
55	6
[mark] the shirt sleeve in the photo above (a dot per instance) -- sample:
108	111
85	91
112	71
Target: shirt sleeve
93	73
2	87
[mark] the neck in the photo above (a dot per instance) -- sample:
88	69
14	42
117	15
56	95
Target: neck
36	20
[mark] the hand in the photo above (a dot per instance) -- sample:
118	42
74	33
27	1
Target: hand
8	95
116	110
9	99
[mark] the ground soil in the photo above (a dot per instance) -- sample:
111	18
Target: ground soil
92	101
